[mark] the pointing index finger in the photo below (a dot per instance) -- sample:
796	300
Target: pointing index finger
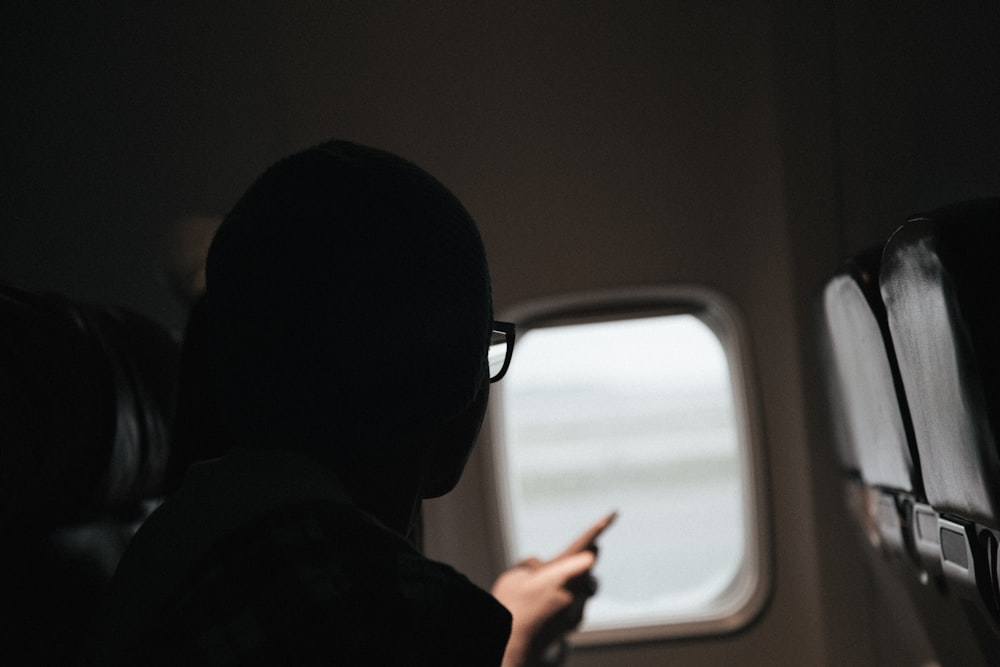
587	539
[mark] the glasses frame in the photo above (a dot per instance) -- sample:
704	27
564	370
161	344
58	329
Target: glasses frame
508	330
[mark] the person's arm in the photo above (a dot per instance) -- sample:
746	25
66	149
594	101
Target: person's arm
546	599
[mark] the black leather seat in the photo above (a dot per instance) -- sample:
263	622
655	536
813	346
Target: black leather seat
939	284
875	439
86	401
882	467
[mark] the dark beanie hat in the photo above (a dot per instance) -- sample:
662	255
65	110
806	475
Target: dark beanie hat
349	305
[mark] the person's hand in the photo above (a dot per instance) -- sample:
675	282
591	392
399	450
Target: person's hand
546	599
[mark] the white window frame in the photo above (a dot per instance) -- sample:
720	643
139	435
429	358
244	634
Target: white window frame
752	586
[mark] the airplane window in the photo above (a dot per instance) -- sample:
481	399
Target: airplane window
639	415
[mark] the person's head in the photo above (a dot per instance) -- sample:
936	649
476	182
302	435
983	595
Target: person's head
349	311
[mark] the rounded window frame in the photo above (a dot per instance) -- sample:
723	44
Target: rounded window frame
748	596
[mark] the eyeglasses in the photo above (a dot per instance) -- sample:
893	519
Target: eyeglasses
501	349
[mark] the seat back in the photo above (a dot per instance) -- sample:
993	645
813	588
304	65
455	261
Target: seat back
86	401
876	436
939	281
940	288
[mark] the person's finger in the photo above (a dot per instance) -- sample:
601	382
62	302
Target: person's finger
564	569
529	563
586	539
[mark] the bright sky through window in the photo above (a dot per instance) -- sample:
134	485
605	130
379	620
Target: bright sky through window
637	416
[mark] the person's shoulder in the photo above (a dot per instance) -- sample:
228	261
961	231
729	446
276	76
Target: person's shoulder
321	578
451	618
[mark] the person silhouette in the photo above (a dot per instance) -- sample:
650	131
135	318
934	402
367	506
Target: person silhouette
347	330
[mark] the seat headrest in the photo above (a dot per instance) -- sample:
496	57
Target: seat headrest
939	283
86	398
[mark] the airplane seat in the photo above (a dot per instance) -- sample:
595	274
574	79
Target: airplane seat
876	437
86	399
938	283
878	457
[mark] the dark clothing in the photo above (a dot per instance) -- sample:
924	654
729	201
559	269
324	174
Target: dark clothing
297	577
